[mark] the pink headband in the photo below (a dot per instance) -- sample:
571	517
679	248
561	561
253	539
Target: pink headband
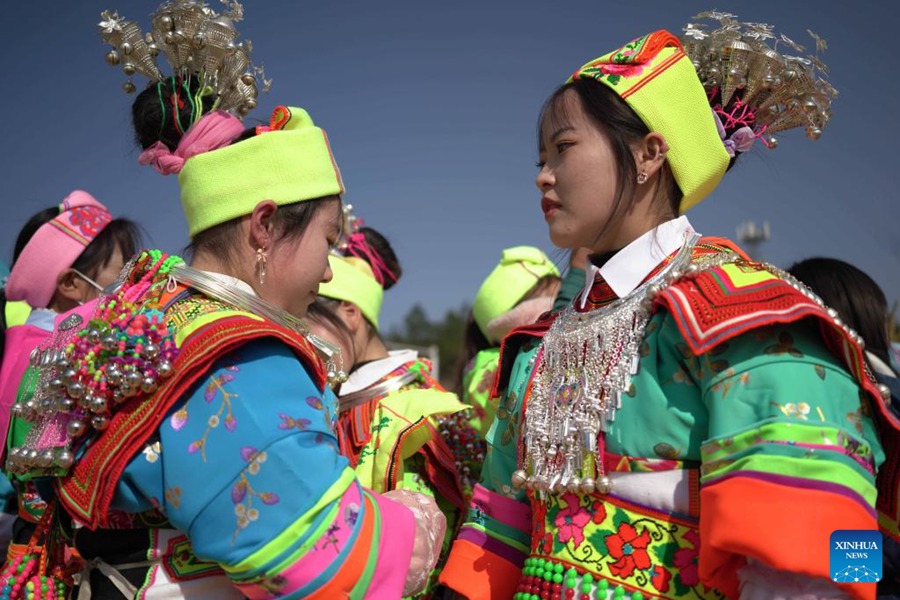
55	246
213	131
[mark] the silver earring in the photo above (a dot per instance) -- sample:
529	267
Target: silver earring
642	177
261	265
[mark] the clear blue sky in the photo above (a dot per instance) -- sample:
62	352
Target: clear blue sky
431	109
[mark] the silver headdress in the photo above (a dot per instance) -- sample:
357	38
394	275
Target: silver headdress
760	86
196	41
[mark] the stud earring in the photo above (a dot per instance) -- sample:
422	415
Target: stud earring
261	265
642	177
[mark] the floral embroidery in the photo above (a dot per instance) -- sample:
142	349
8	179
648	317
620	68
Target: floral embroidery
571	520
629	549
686	560
288	422
173	496
242	494
724	385
316	403
152	451
617	541
89	219
331	538
799	410
785	345
215	387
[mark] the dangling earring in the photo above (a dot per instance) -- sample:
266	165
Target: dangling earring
261	265
642	177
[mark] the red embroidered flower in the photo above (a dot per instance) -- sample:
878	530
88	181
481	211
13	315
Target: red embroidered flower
659	577
629	549
598	511
623	70
685	560
570	521
89	219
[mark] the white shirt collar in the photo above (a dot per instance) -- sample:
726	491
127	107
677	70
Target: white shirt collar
371	372
42	318
631	265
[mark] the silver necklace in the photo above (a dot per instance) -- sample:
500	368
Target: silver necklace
586	364
213	287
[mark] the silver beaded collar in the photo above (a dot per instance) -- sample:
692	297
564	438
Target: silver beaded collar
586	362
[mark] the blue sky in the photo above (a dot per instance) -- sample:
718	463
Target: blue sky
431	109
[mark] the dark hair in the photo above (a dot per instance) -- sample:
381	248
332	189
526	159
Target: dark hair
856	297
153	113
324	311
383	248
289	222
118	233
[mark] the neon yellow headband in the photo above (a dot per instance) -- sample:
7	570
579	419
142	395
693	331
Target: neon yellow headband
353	282
657	80
289	161
519	270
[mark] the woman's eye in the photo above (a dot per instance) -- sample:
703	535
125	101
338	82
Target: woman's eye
563	146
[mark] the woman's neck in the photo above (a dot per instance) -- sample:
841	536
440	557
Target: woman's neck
374	350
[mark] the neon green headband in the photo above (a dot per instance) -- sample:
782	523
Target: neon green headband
657	80
519	270
353	282
289	161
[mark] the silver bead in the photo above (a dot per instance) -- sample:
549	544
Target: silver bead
99	404
64	404
118	396
838	322
68	375
62	362
153	49
100	422
149	385
109	342
76	389
166	21
832	313
129	69
519	478
574	485
56	386
604	484
65	459
93	336
45	458
588	485
885	392
76	428
35	358
127	48
653	290
151	351
691	269
114	375
199	40
165	368
133	379
47	405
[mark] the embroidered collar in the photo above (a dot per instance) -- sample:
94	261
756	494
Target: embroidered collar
632	264
370	373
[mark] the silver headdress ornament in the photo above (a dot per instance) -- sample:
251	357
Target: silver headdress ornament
196	41
761	86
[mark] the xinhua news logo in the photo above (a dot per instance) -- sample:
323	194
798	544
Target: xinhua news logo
856	556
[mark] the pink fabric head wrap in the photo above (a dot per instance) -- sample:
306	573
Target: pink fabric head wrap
213	131
55	246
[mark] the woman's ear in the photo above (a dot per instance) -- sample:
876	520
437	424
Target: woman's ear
650	153
261	225
70	286
351	316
